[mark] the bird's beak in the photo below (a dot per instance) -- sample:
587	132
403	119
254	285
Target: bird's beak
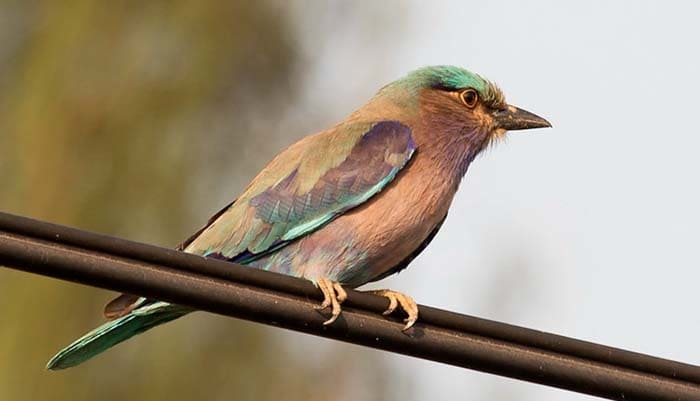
513	118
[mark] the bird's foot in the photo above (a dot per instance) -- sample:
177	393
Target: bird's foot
333	296
395	299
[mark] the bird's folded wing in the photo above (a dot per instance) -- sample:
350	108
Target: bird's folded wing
305	187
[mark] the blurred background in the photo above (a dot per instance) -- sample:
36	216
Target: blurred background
142	119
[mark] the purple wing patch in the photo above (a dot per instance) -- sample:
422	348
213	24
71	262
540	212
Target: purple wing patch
372	163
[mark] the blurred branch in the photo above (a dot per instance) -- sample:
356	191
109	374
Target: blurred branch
283	301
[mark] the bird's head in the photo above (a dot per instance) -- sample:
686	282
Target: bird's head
455	106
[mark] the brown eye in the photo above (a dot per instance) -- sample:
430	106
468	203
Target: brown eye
469	98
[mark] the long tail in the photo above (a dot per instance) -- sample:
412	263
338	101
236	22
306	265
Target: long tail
114	332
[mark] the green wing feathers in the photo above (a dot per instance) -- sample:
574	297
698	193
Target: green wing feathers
307	186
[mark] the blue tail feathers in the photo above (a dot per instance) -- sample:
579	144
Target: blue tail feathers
114	332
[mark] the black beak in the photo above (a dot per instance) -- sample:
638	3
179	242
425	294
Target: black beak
513	118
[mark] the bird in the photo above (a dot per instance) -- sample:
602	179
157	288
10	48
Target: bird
346	206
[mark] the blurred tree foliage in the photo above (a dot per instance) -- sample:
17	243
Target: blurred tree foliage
111	118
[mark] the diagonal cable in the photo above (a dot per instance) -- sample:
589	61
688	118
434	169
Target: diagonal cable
283	301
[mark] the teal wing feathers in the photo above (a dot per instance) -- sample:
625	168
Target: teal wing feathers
305	187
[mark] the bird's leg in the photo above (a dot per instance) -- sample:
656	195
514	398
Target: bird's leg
333	296
395	299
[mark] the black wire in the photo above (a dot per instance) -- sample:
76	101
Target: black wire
284	301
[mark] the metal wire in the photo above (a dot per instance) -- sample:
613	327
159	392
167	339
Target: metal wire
283	301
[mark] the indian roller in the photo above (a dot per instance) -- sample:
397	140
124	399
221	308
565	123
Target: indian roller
348	205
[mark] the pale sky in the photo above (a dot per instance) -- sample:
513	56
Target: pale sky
588	229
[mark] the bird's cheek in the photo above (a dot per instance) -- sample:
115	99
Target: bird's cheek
485	122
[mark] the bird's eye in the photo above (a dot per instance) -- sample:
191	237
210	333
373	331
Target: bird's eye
469	97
